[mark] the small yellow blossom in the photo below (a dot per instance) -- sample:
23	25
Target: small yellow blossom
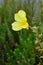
20	21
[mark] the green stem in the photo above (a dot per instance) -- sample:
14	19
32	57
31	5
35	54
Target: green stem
37	35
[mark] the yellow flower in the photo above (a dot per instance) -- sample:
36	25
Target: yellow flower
20	21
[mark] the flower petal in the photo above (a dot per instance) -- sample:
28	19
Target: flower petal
21	15
17	17
16	26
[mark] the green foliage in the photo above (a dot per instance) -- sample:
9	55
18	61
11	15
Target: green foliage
20	48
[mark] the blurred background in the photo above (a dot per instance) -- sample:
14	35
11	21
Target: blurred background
23	47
